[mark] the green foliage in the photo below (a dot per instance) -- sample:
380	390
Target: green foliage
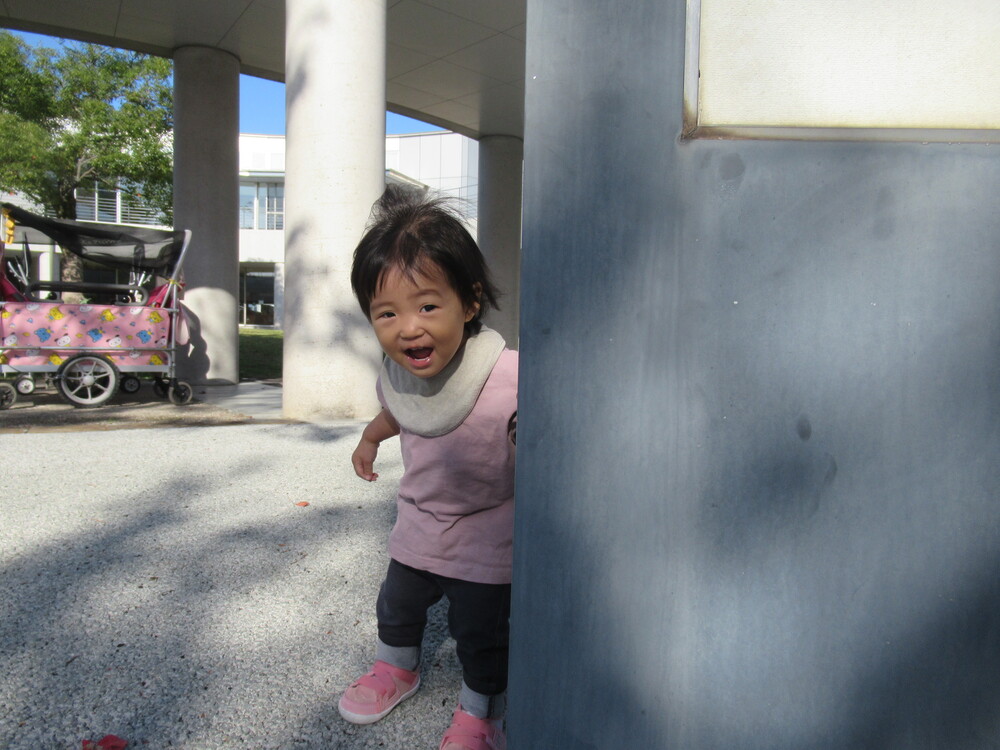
81	114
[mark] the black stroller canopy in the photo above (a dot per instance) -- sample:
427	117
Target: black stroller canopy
137	248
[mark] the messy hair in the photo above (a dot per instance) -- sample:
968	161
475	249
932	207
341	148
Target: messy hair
417	234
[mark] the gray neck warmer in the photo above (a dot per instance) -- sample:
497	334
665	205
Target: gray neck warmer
437	405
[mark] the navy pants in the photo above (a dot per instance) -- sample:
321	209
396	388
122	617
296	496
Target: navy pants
478	618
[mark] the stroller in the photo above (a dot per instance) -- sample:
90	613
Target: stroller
120	332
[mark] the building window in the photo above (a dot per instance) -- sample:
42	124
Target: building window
262	205
257	297
270	206
248	200
124	205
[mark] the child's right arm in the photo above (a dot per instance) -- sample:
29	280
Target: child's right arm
383	427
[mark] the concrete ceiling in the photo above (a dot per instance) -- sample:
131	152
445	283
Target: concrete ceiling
458	64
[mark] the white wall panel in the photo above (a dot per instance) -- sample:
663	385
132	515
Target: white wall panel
848	64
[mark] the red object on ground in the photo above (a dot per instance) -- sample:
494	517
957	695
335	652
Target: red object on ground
108	742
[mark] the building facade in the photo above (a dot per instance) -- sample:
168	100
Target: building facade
440	161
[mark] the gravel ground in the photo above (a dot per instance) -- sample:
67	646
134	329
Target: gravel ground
165	586
44	410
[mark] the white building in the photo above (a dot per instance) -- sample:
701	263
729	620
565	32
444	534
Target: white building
441	161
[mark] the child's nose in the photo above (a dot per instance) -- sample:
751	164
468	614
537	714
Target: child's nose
411	326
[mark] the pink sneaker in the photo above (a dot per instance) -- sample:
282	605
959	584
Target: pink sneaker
373	696
469	733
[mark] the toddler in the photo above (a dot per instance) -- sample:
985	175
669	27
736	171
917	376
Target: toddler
448	388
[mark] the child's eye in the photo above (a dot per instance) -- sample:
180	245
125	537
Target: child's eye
385	315
428	308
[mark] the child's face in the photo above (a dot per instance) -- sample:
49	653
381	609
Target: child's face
420	323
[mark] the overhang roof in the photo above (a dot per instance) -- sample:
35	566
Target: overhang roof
454	63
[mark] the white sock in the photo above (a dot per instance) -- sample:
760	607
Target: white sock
404	657
481	706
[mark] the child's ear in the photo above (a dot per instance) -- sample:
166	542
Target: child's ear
473	309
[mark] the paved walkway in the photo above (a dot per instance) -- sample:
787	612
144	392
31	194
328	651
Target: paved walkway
170	586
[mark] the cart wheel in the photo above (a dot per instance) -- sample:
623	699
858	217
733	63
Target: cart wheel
180	393
161	387
131	384
8	395
87	380
25	385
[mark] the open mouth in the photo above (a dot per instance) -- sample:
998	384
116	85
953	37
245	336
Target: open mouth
419	356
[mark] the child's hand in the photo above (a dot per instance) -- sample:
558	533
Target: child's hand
381	428
364	460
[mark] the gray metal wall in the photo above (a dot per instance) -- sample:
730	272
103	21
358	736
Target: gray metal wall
758	471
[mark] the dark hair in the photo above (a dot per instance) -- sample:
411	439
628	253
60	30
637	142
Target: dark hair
414	233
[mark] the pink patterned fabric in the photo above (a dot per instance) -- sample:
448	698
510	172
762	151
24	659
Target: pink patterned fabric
48	333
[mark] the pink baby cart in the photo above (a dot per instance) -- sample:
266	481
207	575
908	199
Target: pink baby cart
119	333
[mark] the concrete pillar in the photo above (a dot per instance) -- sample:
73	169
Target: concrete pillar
206	169
500	162
759	400
334	171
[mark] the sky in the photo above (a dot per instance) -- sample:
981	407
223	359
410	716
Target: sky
262	110
262	102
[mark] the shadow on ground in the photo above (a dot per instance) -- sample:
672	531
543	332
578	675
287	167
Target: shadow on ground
199	588
44	410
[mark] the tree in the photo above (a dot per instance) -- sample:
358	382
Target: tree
84	115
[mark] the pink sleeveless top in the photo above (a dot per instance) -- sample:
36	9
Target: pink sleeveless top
455	508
